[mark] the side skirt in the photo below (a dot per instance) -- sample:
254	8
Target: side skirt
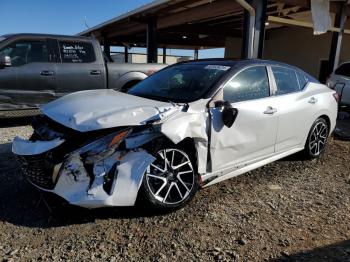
215	177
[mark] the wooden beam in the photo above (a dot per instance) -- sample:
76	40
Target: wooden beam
285	21
335	7
217	8
173	40
200	29
213	9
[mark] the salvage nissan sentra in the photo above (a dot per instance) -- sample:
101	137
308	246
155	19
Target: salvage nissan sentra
188	126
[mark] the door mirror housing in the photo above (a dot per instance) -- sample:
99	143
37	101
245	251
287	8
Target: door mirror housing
228	114
5	61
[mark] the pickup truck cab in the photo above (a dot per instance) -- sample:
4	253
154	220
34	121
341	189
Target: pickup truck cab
38	68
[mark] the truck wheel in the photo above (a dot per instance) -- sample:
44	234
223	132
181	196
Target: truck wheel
128	85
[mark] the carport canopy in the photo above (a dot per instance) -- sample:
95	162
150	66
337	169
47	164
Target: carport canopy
202	24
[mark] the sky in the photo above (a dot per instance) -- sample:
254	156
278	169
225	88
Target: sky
70	17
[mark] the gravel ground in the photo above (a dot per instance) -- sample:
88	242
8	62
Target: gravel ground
291	210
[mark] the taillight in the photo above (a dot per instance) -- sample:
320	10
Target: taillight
337	97
151	72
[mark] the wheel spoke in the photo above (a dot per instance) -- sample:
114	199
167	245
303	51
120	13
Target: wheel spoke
181	165
172	159
163	156
184	172
158	168
317	149
167	193
183	183
178	189
157	177
313	145
161	188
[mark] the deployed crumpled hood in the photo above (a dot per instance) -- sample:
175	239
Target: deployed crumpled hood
98	109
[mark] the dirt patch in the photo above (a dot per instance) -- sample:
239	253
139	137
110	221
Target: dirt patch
290	210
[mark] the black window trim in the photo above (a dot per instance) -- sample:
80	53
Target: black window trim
241	70
296	75
342	64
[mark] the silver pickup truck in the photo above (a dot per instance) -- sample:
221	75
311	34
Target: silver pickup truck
38	68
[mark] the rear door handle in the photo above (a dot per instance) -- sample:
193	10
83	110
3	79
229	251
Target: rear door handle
46	73
270	110
95	72
313	100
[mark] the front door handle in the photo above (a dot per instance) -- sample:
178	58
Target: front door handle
46	73
313	100
95	72
270	110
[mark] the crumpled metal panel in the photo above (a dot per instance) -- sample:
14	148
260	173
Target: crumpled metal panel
98	109
192	124
24	147
74	182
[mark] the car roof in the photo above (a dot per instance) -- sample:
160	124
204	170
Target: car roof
44	35
236	62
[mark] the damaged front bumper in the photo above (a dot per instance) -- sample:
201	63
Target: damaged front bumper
93	176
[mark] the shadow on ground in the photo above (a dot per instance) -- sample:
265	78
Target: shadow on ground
23	205
337	252
342	130
13	122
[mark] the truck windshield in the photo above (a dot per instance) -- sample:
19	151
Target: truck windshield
180	83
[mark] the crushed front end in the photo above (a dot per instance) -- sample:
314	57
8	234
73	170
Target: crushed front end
88	169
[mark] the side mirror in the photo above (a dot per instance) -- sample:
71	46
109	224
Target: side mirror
5	61
229	114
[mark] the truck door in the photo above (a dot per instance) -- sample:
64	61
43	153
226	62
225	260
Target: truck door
30	80
81	67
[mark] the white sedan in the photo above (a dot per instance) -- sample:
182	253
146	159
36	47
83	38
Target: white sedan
186	127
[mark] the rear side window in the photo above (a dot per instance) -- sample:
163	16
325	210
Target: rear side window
343	70
76	52
251	83
302	79
286	80
26	52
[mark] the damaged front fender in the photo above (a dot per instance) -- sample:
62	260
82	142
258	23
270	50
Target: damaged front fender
78	188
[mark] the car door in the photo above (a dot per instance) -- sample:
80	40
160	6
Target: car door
30	80
79	68
253	134
296	108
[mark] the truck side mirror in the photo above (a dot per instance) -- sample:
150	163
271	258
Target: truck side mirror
5	61
229	114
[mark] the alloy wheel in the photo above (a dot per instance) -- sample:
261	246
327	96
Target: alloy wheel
170	178
318	138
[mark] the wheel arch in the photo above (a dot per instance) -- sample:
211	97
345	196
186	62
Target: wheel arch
327	119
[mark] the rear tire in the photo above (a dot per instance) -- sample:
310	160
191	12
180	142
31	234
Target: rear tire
317	139
171	181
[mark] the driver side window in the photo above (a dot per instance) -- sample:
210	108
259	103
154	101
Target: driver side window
251	83
25	52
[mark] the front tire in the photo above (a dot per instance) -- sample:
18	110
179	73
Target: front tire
171	181
317	139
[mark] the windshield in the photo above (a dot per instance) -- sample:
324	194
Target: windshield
180	83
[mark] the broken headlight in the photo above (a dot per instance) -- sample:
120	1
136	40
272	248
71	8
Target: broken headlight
103	147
